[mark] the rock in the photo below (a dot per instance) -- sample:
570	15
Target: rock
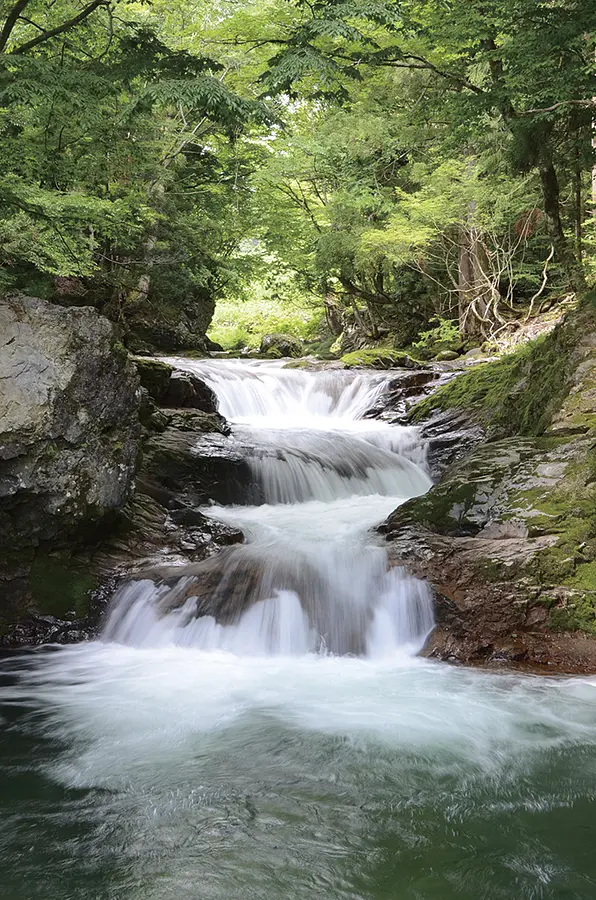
450	436
507	537
179	326
154	375
380	358
446	356
173	388
280	345
69	434
188	391
197	421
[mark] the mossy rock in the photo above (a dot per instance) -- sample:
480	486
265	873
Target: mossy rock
379	358
521	392
155	376
278	346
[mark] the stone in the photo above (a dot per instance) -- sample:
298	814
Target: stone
280	345
173	388
69	433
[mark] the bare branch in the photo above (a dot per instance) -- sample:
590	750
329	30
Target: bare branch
60	29
588	104
543	285
10	22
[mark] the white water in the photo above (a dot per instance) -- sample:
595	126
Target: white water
257	759
327	476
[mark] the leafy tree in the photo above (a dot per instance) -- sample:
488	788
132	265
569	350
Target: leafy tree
527	62
123	170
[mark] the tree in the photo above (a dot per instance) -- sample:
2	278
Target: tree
123	170
527	61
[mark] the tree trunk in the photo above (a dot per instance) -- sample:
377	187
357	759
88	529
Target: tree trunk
552	212
578	214
475	292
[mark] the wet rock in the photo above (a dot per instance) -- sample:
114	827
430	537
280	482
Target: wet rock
169	387
69	434
506	538
450	436
380	358
196	421
198	467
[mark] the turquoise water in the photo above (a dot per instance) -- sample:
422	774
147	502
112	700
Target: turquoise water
173	773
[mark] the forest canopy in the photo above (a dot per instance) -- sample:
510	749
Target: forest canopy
349	172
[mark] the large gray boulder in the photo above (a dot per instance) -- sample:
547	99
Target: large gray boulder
280	345
69	435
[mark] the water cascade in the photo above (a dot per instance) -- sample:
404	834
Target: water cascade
312	577
262	726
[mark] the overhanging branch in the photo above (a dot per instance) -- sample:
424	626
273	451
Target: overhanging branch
60	29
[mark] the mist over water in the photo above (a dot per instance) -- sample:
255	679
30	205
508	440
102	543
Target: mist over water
300	747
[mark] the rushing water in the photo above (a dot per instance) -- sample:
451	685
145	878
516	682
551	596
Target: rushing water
301	748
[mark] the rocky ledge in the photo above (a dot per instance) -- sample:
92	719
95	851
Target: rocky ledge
99	472
507	537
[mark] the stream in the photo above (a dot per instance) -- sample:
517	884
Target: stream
302	748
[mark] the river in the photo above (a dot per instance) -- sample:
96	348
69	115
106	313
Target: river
304	748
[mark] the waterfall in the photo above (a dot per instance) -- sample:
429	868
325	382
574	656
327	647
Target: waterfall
312	576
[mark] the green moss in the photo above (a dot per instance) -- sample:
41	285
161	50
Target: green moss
585	577
155	376
57	588
193	354
578	613
378	358
120	351
519	393
299	364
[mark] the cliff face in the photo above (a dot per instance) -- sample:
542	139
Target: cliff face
69	437
507	537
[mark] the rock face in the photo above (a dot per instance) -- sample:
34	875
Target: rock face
174	389
507	537
181	326
280	345
69	433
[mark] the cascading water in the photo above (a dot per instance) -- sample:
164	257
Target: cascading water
311	578
288	743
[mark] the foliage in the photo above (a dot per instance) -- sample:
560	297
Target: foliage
124	172
388	162
445	335
269	306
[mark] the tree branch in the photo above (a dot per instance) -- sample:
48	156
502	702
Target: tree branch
544	109
60	29
10	22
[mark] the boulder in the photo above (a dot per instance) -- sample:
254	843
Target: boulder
172	388
380	358
280	345
69	434
507	537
